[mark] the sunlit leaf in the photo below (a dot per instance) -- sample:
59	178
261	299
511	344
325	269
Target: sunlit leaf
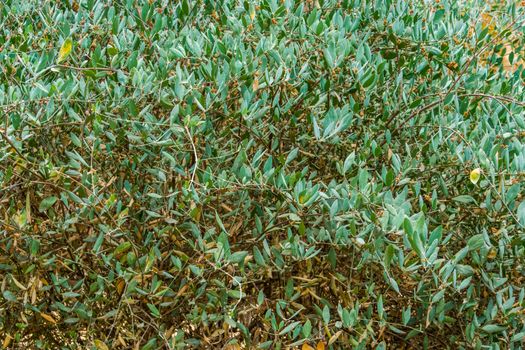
475	175
65	50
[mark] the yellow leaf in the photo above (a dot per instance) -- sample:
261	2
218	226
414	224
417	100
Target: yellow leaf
252	14
302	199
7	341
306	347
48	318
121	341
18	284
487	21
120	286
20	219
475	175
100	345
320	346
334	337
65	49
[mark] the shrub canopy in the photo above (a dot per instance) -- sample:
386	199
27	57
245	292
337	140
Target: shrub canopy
261	174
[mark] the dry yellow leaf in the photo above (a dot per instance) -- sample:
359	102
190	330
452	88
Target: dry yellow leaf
306	347
65	49
18	284
7	341
320	346
121	341
33	293
48	318
181	291
100	345
487	21
120	286
334	337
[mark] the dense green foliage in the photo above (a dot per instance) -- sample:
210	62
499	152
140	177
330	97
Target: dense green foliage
267	174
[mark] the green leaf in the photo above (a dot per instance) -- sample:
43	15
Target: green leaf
438	296
98	242
154	310
493	328
368	80
260	298
380	309
291	156
438	15
235	294
326	314
47	203
238	257
9	296
521	214
388	54
475	242
258	257
307	328
518	337
289	328
122	248
464	199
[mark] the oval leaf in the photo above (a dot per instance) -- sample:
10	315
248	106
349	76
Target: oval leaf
475	175
65	50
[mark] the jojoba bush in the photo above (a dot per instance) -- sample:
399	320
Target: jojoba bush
270	174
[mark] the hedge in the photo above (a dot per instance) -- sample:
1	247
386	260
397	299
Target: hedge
271	174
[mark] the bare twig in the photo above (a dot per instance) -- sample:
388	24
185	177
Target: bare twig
194	154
